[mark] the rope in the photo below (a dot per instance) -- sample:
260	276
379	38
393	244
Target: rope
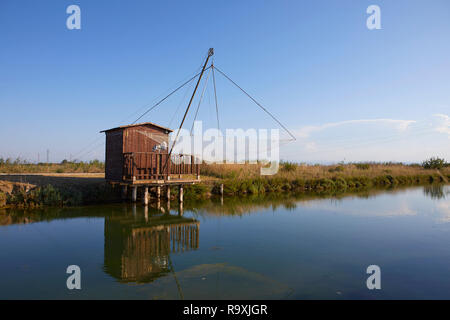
163	99
215	97
201	98
257	103
188	89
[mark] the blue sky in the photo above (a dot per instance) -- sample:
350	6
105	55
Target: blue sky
348	93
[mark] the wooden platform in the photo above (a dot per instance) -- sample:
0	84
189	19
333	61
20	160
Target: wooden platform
156	183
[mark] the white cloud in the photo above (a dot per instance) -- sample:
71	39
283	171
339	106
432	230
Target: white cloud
442	124
443	209
311	146
371	140
400	125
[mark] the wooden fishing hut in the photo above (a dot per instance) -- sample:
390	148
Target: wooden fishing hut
137	155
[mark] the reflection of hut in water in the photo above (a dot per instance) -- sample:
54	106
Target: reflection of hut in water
138	251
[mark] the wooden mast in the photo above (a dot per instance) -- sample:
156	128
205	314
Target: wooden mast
210	53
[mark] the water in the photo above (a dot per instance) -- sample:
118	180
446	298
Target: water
255	248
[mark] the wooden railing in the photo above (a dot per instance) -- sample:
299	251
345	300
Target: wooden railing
150	166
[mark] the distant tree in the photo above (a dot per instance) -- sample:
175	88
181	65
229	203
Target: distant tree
434	163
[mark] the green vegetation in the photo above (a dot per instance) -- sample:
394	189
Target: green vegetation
238	179
245	178
435	163
287	166
335	184
336	169
57	197
362	166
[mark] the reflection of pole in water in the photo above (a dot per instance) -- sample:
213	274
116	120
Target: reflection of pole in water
133	209
146	213
145	196
180	211
184	236
168	199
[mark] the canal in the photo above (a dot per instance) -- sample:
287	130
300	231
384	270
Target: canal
272	247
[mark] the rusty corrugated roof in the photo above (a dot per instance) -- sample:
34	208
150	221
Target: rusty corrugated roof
139	124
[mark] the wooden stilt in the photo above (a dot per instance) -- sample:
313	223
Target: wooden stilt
145	197
181	193
124	192
134	194
180	212
168	193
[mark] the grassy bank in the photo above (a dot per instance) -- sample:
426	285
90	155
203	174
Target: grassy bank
59	189
31	191
246	178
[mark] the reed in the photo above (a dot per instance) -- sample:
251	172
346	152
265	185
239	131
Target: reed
246	178
238	179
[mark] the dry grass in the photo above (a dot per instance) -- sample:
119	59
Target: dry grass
246	178
18	166
307	172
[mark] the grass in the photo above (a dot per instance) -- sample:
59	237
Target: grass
246	179
54	190
21	166
71	184
305	172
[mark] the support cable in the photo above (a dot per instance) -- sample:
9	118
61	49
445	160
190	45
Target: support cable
215	97
201	98
163	99
257	103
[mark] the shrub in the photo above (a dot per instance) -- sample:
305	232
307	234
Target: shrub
434	163
230	186
196	191
326	184
340	183
288	166
298	183
362	166
337	169
50	196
